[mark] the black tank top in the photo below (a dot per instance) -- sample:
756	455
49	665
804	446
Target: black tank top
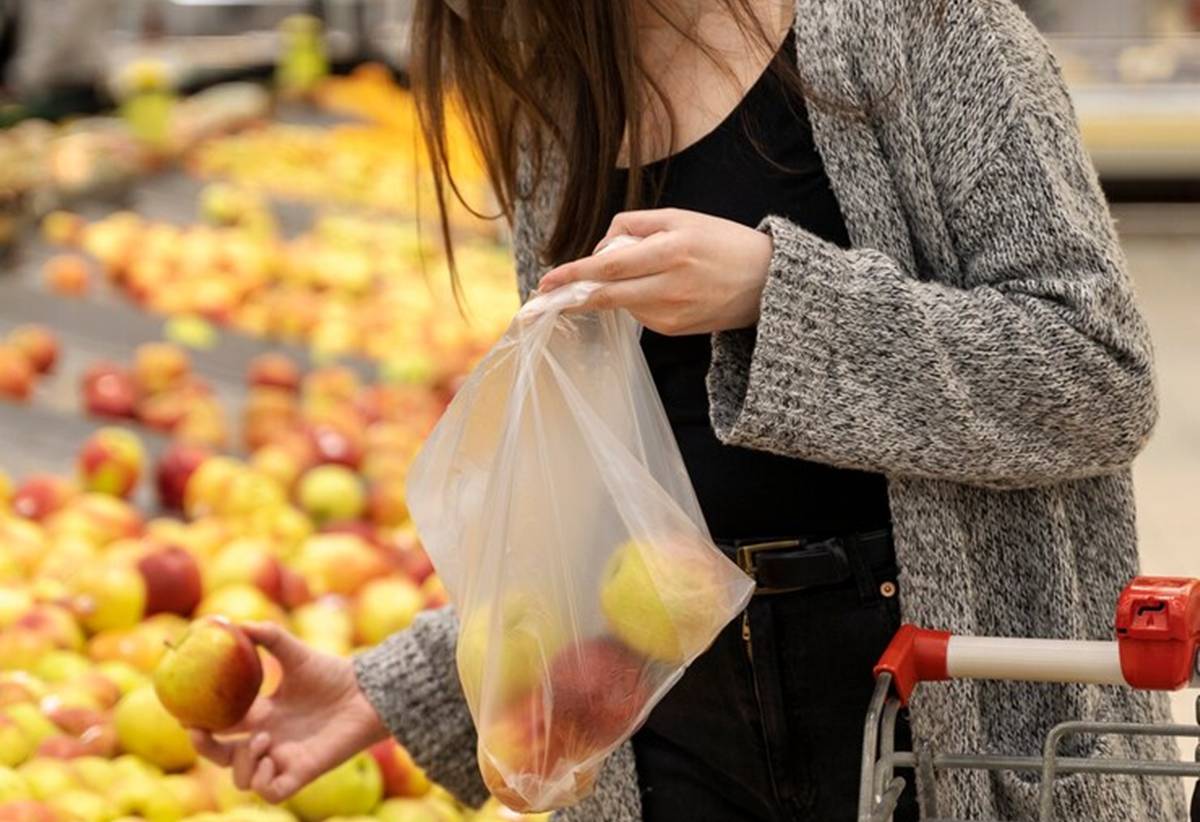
761	160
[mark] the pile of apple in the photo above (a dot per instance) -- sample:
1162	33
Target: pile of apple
93	593
550	703
26	354
376	165
349	286
160	391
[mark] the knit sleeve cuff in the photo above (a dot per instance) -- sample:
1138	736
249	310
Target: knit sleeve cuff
760	377
411	681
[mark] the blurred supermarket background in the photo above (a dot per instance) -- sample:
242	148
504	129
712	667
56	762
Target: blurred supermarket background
215	234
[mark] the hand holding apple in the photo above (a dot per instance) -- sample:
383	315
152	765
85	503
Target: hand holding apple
318	719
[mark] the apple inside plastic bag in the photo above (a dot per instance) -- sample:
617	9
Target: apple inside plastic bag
556	508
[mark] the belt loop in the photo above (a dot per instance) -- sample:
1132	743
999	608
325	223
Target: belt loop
868	591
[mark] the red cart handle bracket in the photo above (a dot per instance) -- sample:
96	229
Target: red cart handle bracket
1158	632
914	655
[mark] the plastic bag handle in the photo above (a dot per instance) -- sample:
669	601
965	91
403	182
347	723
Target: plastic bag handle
574	294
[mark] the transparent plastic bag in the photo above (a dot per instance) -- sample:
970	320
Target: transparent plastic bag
556	508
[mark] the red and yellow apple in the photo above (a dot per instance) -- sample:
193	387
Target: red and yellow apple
109	390
67	275
40	495
39	345
274	371
109	596
175	467
159	366
16	374
111	462
401	776
247	561
338	563
499	662
331	493
210	677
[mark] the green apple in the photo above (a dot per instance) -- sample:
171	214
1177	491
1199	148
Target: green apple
661	602
12	786
146	729
510	660
353	788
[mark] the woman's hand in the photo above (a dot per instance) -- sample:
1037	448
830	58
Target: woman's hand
691	274
316	720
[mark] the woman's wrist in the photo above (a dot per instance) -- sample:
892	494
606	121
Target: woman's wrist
368	724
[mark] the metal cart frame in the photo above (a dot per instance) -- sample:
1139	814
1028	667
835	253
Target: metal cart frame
1157	648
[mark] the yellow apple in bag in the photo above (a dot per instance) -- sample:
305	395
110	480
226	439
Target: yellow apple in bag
528	638
663	600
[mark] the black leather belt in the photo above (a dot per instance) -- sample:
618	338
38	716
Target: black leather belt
783	565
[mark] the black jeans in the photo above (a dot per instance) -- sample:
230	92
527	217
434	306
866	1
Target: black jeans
769	729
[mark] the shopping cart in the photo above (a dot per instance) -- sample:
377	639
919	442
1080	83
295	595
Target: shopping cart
1157	646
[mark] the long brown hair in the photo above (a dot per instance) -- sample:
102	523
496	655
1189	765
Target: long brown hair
533	76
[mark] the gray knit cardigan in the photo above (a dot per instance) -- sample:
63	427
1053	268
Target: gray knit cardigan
979	345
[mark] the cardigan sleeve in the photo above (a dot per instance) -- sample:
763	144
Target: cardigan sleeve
1030	365
412	682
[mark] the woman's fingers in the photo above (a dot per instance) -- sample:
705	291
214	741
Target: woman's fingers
643	223
279	643
264	775
211	748
653	255
246	758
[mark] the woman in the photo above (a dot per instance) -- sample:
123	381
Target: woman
893	331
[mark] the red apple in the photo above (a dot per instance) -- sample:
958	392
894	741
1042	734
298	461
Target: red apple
401	776
111	462
173	583
40	495
334	445
274	371
294	590
598	688
110	391
210	677
67	275
16	374
176	465
38	344
159	366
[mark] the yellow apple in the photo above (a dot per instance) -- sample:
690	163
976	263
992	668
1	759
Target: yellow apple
81	806
14	602
110	596
355	787
241	602
145	797
147	729
326	619
126	677
48	777
95	772
385	606
510	658
339	563
15	745
60	666
190	793
12	786
32	722
662	602
415	810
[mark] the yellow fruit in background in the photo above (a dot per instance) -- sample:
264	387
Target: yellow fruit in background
60	666
385	606
145	797
14	602
48	777
82	806
663	606
15	745
352	788
415	810
189	792
240	603
95	772
146	729
511	660
109	596
12	786
29	718
126	677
